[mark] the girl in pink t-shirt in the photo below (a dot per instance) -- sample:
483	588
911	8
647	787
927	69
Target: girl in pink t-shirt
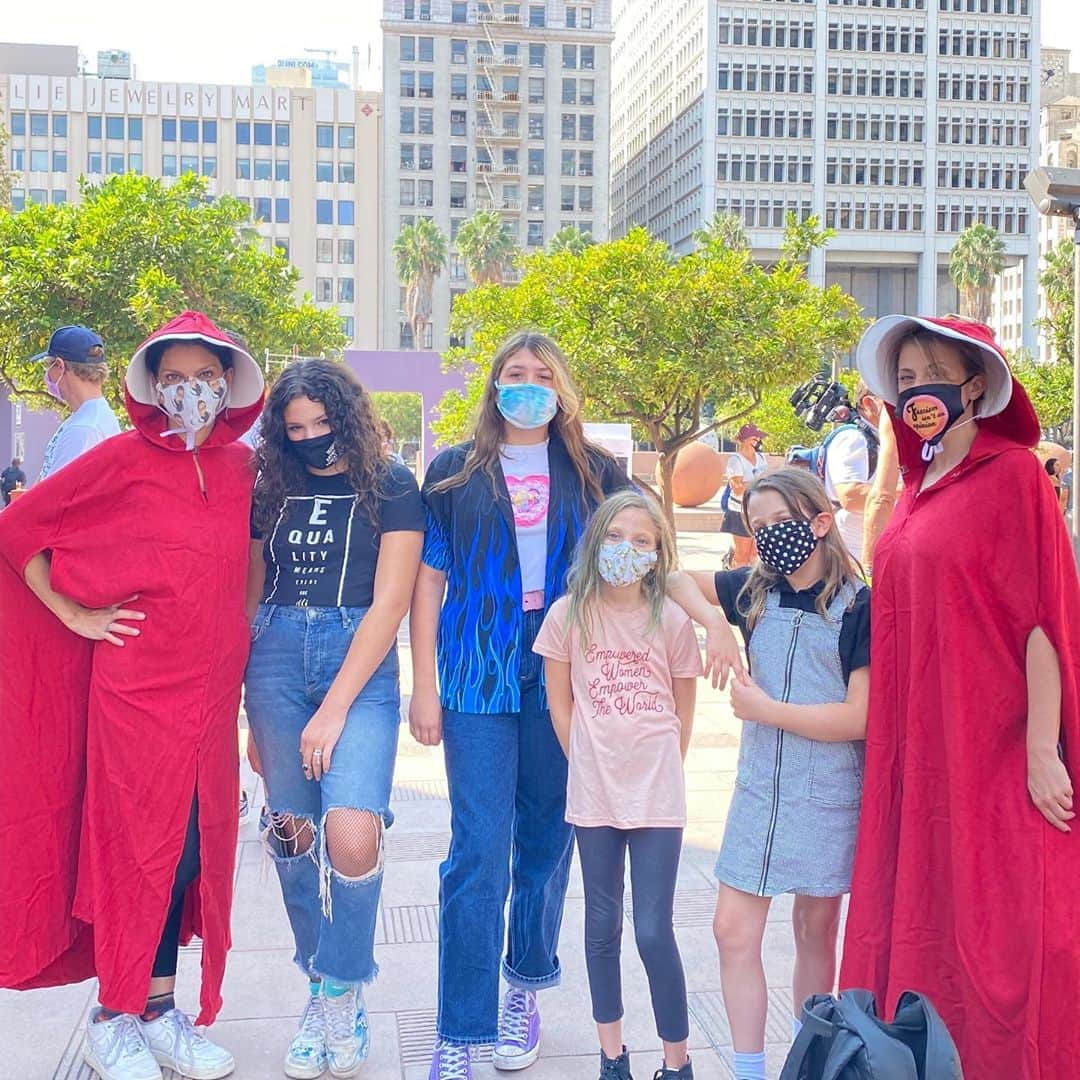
621	663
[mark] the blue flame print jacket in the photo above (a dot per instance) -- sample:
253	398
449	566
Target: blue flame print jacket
471	538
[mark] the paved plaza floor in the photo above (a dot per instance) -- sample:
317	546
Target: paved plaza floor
264	993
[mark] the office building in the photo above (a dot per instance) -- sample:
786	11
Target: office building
319	68
491	105
305	160
898	123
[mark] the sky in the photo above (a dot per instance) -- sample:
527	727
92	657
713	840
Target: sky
220	40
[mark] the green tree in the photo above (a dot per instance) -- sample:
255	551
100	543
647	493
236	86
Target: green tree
650	338
801	236
777	418
1058	282
1050	387
420	256
403	412
570	238
727	230
132	253
7	177
486	245
976	260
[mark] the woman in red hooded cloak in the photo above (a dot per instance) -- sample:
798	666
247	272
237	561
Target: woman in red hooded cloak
967	868
122	583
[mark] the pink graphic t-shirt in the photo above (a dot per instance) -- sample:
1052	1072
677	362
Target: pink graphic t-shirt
626	767
528	480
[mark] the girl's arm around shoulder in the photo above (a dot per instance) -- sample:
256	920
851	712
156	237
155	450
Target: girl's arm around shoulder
840	721
697	593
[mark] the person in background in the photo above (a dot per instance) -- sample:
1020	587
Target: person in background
851	456
1067	488
1055	471
884	490
75	372
743	468
389	445
11	478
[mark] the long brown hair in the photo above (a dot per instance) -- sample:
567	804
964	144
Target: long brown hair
566	425
583	580
805	497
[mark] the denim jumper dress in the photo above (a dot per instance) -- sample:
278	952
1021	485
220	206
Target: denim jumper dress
793	818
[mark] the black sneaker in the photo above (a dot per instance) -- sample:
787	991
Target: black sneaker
615	1068
685	1073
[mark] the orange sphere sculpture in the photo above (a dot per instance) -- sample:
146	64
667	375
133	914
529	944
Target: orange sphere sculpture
698	476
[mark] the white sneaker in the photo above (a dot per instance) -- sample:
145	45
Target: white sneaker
116	1050
307	1058
346	1031
175	1043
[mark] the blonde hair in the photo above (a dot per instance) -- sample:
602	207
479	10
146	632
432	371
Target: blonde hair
567	426
805	497
583	580
92	373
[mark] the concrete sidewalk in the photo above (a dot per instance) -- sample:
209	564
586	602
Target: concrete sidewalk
264	993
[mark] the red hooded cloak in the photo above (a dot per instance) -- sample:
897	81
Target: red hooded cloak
105	747
962	890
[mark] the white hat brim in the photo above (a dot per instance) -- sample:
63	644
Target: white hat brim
877	344
247	381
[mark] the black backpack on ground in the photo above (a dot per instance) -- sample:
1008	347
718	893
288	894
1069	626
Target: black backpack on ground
843	1039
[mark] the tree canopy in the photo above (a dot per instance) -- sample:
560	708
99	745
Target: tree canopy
651	338
976	260
129	256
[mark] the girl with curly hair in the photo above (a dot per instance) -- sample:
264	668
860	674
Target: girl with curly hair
337	531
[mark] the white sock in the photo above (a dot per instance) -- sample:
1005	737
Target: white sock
750	1066
796	1027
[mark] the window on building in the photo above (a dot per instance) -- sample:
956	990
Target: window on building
324	250
535	198
425	192
18	125
569	91
346	252
168	164
324	290
243	168
39	161
209	131
536	162
459	87
264	134
566	197
426	125
345	290
324	172
134	163
60	127
408	49
459	159
407	192
59	161
189	163
243	132
281	210
458	189
569	57
39	124
189	131
347	172
209	166
59	197
425	157
459	127
427	84
18	159
114	127
426	50
93	127
588	57
37	195
262	209
534	236
282	170
281	134
585	128
264	169
587	91
585	198
536	125
459	11
407	89
459	51
346	137
346	212
536	14
324	211
348	327
18	199
324	135
571	17
568	163
134	128
537	55
569	125
407	158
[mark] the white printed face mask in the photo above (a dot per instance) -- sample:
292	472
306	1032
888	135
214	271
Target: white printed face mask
620	563
194	403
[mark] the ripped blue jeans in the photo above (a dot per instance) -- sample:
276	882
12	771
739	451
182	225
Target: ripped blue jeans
296	653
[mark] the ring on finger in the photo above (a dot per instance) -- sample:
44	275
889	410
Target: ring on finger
317	754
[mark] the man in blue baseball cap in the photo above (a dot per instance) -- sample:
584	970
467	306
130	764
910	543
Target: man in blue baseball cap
75	372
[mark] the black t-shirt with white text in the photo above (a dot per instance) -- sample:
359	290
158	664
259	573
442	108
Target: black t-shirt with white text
323	548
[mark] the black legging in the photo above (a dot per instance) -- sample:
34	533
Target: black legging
187	870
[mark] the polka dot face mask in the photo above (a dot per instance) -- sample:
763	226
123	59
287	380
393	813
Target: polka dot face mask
785	546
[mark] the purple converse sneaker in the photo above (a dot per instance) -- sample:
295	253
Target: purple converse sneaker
519	1031
450	1062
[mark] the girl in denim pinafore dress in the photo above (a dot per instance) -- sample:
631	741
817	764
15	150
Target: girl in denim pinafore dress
805	616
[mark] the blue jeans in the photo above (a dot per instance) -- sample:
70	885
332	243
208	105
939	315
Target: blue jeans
295	655
507	780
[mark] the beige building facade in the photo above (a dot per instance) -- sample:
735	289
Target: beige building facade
305	159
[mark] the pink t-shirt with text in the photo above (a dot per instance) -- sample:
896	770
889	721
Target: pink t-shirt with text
626	766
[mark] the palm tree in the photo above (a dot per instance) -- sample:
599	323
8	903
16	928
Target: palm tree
486	245
725	230
976	260
570	238
420	255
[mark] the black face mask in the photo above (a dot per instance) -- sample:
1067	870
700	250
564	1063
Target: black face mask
786	545
931	410
758	445
317	453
